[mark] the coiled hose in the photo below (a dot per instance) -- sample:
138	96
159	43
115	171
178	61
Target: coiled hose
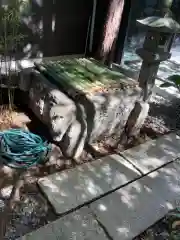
22	149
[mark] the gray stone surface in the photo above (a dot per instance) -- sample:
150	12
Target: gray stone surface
109	111
90	117
137	118
98	115
132	209
51	106
70	189
79	225
75	137
155	153
166	183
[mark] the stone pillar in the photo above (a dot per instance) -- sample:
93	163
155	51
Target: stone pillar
147	79
149	69
137	118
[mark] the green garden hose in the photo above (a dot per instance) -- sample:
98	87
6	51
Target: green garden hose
22	149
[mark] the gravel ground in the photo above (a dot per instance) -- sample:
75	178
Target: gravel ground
31	212
164	115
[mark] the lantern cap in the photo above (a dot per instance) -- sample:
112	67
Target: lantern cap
159	24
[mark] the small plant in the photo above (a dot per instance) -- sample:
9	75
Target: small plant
10	40
174	80
174	222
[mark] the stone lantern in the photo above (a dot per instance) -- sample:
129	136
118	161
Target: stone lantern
160	33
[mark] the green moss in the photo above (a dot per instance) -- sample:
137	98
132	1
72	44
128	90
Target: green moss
83	74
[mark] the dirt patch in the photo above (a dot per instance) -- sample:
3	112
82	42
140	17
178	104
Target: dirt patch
30	212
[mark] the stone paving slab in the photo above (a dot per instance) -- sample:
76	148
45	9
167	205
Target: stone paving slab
70	189
78	225
155	153
132	209
166	183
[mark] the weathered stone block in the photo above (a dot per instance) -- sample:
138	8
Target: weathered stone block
107	96
74	139
137	118
102	102
51	106
111	111
99	115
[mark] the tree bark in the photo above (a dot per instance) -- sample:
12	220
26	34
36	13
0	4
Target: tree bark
110	29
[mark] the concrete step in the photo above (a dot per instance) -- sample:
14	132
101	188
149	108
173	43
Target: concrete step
130	210
78	225
155	153
70	189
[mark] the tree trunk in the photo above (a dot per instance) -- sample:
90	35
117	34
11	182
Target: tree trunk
110	29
